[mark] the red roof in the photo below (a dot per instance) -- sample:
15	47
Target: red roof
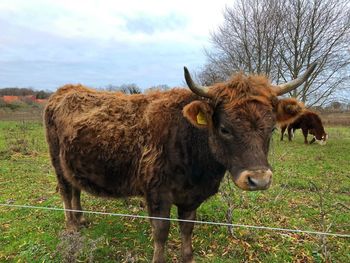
41	100
9	99
31	97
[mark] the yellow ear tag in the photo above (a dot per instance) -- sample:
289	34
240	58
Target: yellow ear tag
201	119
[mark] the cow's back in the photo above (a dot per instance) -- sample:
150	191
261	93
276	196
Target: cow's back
98	138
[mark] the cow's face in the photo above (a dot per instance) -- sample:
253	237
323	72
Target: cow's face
239	137
240	140
321	139
320	136
240	120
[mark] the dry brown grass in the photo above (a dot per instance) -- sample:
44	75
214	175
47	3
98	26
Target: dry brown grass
336	118
21	114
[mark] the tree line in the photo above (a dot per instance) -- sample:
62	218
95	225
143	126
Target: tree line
134	89
41	94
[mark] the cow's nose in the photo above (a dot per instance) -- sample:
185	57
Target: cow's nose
260	180
253	180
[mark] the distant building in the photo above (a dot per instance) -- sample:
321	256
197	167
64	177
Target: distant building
9	99
41	101
30	97
25	99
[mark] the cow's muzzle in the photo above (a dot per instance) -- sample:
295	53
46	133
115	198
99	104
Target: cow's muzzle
253	180
323	141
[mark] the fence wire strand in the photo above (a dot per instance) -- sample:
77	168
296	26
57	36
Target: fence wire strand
181	220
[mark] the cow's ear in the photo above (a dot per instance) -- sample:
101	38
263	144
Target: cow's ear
288	110
199	113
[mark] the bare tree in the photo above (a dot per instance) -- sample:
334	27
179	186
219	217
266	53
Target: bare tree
160	87
125	88
280	38
316	30
247	40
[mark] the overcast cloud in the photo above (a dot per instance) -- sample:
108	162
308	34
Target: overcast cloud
47	43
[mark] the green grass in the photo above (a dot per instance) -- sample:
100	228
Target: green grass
311	191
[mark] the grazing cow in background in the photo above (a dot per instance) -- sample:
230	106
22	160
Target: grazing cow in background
171	147
308	122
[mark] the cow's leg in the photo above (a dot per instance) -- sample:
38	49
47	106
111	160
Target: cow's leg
64	187
290	136
283	129
66	191
158	207
305	132
76	205
186	229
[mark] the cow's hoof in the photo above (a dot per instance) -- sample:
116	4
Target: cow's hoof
188	259
83	221
72	227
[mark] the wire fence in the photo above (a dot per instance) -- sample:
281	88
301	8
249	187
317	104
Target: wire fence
311	232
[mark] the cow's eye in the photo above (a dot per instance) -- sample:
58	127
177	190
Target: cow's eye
224	131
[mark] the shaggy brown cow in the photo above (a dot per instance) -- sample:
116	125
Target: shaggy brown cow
308	122
170	147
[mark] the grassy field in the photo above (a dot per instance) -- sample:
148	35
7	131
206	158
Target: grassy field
311	191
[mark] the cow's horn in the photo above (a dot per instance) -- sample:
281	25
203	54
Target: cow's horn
289	86
199	90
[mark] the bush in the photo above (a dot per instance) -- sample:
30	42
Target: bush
11	106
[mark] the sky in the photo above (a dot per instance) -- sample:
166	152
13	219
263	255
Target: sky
45	44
